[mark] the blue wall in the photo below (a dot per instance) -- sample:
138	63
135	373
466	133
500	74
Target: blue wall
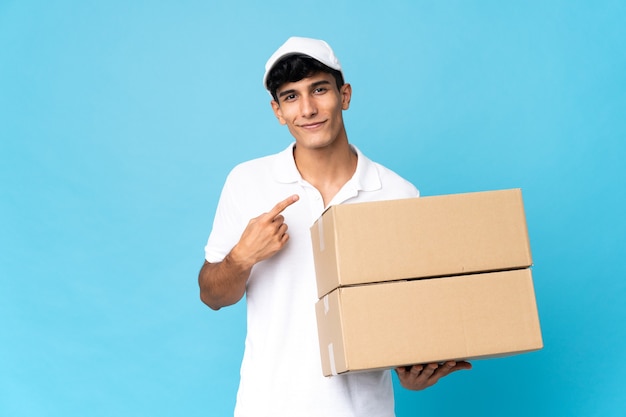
120	120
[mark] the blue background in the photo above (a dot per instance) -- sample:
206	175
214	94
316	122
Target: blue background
119	121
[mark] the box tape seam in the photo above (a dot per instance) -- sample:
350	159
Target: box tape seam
320	226
331	359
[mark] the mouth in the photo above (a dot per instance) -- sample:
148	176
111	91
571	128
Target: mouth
312	126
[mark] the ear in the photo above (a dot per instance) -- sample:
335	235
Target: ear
277	112
346	96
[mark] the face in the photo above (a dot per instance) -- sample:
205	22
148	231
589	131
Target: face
312	110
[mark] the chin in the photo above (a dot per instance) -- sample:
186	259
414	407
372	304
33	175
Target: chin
313	144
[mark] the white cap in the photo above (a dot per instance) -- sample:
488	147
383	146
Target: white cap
315	48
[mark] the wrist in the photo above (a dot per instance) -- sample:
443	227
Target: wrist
238	261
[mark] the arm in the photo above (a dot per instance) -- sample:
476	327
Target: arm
224	283
419	377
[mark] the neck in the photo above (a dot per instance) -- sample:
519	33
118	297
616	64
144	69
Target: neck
328	168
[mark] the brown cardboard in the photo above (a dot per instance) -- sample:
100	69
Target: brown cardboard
400	323
420	237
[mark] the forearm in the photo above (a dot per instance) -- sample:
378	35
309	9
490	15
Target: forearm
223	283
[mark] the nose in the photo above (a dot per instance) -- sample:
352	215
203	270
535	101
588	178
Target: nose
308	107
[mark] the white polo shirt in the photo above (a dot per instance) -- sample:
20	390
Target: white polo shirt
281	372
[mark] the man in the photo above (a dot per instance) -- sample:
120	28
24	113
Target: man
269	258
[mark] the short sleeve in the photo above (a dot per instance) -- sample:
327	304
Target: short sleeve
228	224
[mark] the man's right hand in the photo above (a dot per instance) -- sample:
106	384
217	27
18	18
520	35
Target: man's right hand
264	236
224	283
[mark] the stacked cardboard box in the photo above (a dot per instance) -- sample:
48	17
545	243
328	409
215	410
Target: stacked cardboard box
424	280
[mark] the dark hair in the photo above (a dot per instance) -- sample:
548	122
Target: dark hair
294	68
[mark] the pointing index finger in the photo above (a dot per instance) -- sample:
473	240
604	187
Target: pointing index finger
278	208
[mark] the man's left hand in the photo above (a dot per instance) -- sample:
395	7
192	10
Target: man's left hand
419	377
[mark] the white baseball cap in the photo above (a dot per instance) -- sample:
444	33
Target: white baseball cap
315	48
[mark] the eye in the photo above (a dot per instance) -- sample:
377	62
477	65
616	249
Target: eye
320	90
289	97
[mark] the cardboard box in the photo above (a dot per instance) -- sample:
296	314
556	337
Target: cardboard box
400	323
420	237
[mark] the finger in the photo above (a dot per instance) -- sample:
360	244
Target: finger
416	370
429	370
445	369
278	208
413	372
401	371
450	367
460	365
404	369
420	374
282	230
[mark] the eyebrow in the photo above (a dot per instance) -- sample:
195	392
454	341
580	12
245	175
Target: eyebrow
312	86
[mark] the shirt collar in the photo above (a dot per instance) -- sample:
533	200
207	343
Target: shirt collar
365	178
